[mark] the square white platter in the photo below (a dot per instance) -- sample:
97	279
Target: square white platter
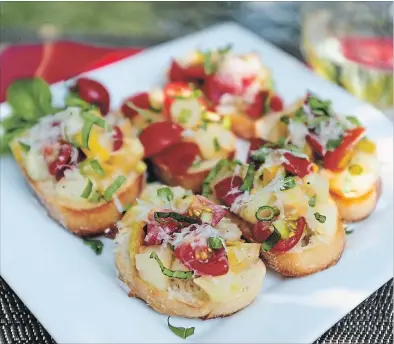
75	294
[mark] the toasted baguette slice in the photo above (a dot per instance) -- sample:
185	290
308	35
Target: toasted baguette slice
192	180
86	221
357	209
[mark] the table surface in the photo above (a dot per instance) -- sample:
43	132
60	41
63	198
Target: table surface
372	321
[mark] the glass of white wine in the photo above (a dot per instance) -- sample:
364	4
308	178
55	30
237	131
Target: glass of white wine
351	43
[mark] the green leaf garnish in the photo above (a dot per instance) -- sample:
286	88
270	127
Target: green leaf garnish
285	119
25	148
215	243
288	183
319	217
171	273
95	245
181	331
249	178
333	143
165	194
312	201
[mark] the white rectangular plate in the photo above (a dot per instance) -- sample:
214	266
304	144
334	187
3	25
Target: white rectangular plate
75	294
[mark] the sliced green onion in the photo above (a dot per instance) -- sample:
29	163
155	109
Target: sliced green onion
271	241
181	331
206	189
249	178
111	190
184	116
265	213
87	127
95	245
288	184
87	190
95	197
25	148
312	201
175	216
216	144
319	217
354	120
334	143
171	273
97	167
89	117
215	243
165	194
285	119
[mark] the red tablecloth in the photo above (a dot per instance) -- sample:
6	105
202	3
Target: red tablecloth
54	61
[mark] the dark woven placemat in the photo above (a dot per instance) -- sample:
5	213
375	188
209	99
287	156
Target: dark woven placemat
371	322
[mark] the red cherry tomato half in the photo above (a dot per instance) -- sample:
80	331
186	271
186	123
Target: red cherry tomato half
334	160
315	145
296	165
216	263
140	100
286	244
178	157
159	136
186	74
276	103
256	109
117	138
214	89
93	92
61	162
227	190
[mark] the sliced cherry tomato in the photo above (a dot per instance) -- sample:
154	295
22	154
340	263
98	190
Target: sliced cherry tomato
286	244
62	161
117	138
140	100
159	136
262	230
93	92
297	165
276	103
227	190
191	73
214	89
256	109
336	160
203	261
178	158
315	145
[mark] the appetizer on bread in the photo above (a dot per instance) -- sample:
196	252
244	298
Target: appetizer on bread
284	205
184	256
84	171
236	85
188	140
340	147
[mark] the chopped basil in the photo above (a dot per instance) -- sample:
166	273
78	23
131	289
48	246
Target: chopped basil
216	144
25	148
288	183
175	216
97	167
265	213
319	107
333	143
319	217
215	243
354	120
249	178
316	121
87	190
206	189
260	154
312	201
180	331
285	119
184	116
171	273
300	115
208	65
165	194
95	245
271	241
111	190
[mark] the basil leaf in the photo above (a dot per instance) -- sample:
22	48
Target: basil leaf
285	119
319	217
171	273
181	331
95	245
288	183
334	143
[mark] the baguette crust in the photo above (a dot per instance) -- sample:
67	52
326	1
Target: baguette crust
85	222
162	301
296	264
358	209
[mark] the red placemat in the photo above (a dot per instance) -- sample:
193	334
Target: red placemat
54	61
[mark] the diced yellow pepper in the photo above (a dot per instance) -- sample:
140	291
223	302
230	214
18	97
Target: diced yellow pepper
366	146
141	167
270	173
95	144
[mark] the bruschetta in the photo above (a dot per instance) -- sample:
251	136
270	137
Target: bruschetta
236	85
285	206
188	140
84	171
339	146
183	256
